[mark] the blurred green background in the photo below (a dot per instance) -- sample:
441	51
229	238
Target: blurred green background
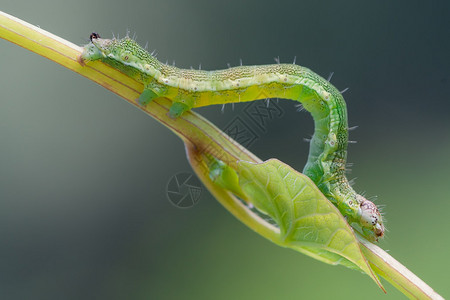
83	206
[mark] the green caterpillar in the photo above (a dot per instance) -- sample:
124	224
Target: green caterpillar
196	88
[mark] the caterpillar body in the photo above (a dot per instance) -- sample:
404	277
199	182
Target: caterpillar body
195	88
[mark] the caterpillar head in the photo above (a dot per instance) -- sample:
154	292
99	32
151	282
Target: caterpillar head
370	219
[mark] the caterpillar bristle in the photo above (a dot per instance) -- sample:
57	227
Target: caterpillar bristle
240	61
223	108
348	168
295	59
300	107
200	66
344	90
330	76
352	128
373	198
228	65
173	62
146	45
306	140
352	142
277	59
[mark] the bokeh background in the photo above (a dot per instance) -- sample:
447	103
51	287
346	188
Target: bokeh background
83	174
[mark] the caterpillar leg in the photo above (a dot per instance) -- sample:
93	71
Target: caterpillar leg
146	97
177	109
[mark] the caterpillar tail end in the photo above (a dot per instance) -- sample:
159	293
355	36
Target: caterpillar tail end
90	51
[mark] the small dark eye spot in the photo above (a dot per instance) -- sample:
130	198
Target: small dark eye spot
94	35
126	57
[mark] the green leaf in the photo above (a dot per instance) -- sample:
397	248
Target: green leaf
308	221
